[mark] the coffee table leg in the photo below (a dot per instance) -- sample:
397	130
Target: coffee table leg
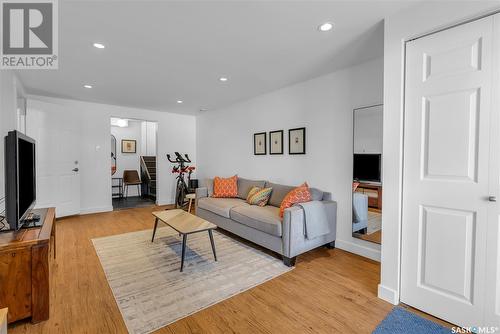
213	243
154	230
184	240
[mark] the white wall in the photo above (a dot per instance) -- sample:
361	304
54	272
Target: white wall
175	133
128	161
420	19
10	89
148	138
324	106
368	130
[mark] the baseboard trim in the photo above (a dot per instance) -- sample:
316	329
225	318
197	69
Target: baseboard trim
169	202
351	247
88	211
387	294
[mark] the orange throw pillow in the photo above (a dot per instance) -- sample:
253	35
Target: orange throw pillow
227	188
355	186
300	194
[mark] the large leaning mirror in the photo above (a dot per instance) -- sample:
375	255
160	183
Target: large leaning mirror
113	155
367	173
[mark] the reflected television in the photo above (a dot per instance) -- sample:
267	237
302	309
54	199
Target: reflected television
367	167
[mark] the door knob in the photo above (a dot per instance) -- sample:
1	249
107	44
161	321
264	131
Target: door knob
75	169
492	198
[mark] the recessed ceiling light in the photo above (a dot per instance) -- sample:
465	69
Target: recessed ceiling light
327	26
122	123
99	45
179	101
87	86
223	79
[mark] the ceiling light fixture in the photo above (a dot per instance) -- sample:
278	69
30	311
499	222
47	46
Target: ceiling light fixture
327	26
122	123
99	45
87	86
223	79
179	101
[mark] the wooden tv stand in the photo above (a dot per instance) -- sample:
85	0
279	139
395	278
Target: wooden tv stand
373	202
25	269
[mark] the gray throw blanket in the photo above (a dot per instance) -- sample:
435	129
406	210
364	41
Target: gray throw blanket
315	219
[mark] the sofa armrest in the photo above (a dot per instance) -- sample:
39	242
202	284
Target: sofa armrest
294	241
293	230
359	207
331	212
200	193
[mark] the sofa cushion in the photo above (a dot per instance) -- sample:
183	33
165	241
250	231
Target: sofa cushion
262	218
244	186
278	194
220	206
316	194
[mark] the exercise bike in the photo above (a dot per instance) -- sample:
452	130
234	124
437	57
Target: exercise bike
181	188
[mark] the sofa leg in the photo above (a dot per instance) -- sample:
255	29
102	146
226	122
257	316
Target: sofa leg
330	245
289	261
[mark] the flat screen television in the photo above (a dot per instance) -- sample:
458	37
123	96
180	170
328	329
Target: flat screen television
20	178
367	167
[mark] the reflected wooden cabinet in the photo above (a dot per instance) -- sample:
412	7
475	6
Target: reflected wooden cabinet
374	193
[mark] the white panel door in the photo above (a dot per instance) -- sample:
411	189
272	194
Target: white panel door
58	178
492	309
447	181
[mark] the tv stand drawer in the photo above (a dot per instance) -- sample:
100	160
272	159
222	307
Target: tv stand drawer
15	283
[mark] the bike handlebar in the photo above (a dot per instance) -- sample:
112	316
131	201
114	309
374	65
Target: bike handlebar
179	158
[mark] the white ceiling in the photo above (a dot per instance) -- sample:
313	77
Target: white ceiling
158	52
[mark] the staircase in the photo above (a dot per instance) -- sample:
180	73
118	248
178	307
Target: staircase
148	176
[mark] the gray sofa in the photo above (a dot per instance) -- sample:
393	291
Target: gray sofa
262	225
359	212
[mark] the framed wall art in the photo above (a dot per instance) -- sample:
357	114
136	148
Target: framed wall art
129	146
276	142
259	143
297	141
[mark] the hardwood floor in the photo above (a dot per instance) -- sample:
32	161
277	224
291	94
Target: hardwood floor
375	237
329	291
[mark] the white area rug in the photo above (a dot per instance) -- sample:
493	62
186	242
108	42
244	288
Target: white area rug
150	290
374	222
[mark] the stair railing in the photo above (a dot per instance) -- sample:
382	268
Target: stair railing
145	167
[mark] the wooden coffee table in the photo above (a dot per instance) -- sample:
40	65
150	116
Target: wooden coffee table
185	223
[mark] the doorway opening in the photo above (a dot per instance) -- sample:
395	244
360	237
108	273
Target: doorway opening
133	163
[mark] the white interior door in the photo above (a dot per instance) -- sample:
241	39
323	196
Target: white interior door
58	177
492	310
447	166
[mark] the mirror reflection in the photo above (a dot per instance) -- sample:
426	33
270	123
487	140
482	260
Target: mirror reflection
367	173
113	155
